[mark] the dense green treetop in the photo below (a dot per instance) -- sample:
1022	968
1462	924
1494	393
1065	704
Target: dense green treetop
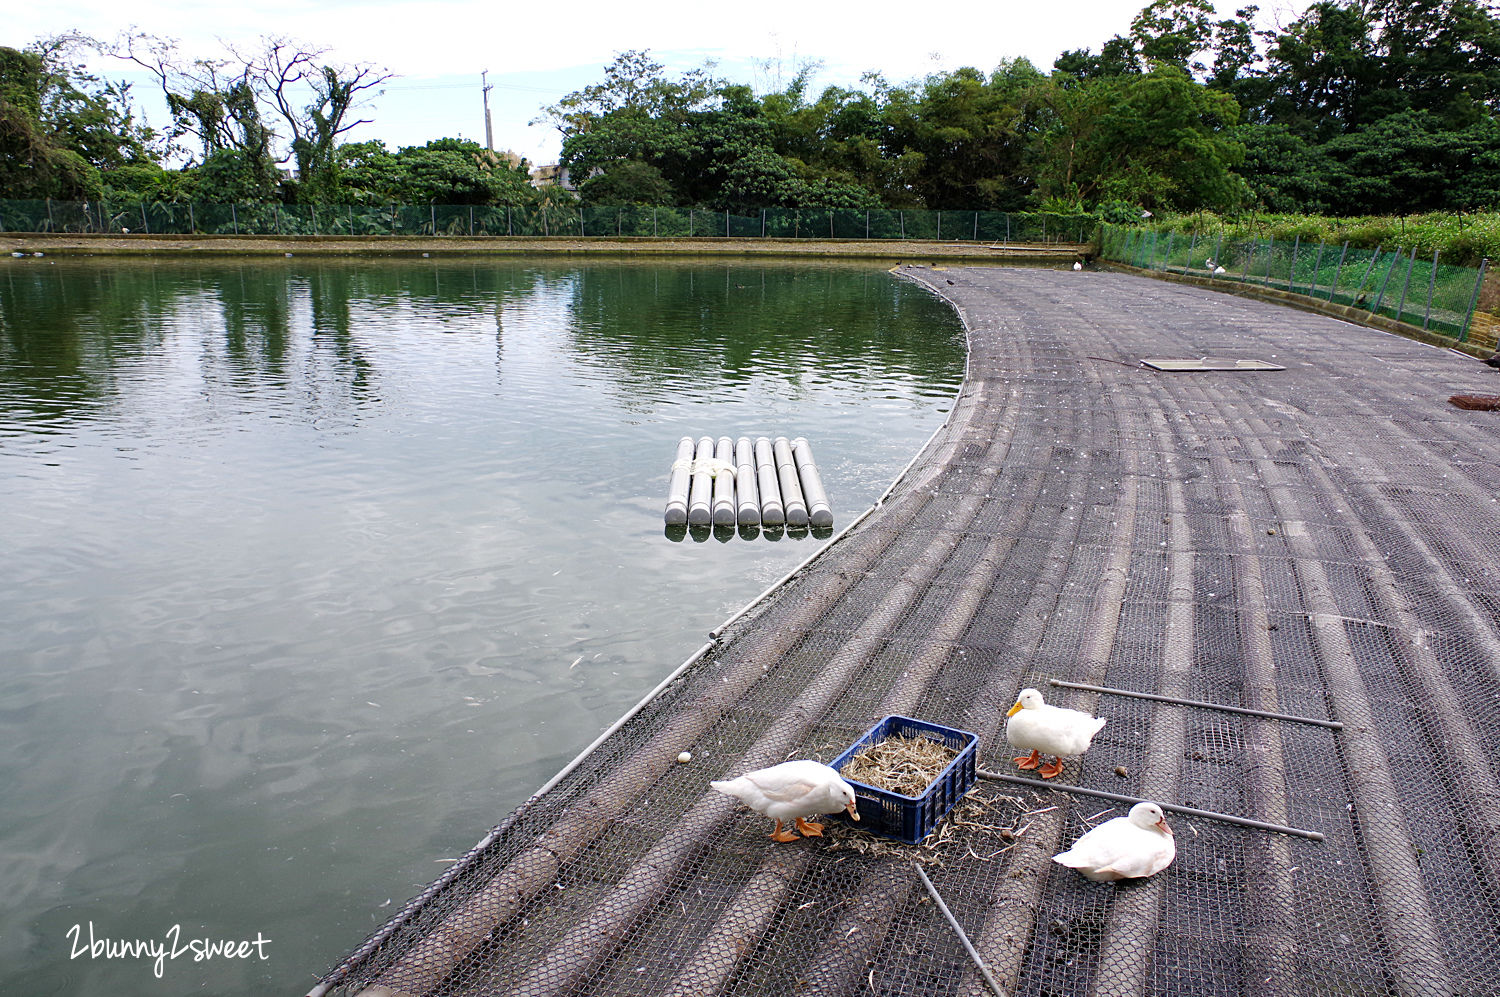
1353	106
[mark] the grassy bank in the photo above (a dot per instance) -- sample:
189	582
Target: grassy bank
1460	239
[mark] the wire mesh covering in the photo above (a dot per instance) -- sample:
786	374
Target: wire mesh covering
1427	293
1321	541
635	221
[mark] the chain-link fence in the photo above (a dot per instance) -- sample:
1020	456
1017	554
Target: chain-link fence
1396	283
634	221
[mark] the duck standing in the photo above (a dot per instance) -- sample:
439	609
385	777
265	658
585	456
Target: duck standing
1054	730
793	791
1137	845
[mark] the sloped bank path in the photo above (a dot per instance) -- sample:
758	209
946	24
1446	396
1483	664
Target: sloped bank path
1321	541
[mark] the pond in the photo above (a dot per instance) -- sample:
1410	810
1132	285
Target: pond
314	570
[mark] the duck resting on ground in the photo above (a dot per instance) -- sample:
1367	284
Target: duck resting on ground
1138	844
1051	729
793	791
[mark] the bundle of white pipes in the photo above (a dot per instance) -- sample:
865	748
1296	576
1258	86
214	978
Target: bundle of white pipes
761	483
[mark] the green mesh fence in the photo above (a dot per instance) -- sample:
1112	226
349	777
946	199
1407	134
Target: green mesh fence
632	221
1396	283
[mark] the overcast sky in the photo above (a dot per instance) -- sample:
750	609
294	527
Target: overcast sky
536	52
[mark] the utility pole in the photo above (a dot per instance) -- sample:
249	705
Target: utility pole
489	134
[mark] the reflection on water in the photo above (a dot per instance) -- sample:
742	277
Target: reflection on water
313	571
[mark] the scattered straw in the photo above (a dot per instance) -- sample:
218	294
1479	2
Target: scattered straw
905	765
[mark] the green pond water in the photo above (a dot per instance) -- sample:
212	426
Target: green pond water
312	571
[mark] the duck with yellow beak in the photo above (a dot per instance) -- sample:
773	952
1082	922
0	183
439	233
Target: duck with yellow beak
1054	730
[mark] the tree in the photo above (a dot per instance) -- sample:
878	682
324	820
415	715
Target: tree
60	125
444	171
285	73
1158	139
225	102
1174	33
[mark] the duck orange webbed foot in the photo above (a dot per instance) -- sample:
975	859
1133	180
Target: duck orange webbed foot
783	834
1031	761
1051	770
810	828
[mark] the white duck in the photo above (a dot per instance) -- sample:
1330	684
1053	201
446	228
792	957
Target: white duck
792	791
1139	844
1051	729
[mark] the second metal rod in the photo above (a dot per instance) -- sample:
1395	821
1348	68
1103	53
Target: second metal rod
1331	724
1132	800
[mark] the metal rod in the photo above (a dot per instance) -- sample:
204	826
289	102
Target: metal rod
1312	292
1291	269
1331	724
1410	265
1463	336
1431	286
1386	280
959	931
1132	800
1337	271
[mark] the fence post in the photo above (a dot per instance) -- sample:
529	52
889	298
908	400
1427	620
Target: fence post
432	207
277	209
1007	227
192	220
1463	336
1337	271
1218	245
940	226
653	222
51	225
690	223
1166	260
471	221
1431	286
507	220
580	221
1192	247
1410	264
545	230
901	215
867	224
1270	259
830	224
976	227
726	223
1291	270
393	218
762	221
145	225
1317	262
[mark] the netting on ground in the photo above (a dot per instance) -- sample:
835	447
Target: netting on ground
1423	292
1321	541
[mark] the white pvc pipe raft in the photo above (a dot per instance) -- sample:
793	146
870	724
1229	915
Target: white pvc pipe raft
677	483
723	472
819	512
791	489
700	502
771	511
744	483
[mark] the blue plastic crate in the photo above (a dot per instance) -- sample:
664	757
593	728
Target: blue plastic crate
912	818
